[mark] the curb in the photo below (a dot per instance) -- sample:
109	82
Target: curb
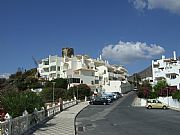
75	126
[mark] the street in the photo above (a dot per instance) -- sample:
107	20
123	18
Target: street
121	118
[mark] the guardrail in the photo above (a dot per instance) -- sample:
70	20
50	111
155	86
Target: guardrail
21	124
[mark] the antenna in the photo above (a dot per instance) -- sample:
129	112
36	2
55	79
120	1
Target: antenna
35	62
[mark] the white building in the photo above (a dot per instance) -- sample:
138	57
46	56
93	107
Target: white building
167	68
5	75
81	69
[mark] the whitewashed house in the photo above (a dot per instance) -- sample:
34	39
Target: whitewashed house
168	69
81	69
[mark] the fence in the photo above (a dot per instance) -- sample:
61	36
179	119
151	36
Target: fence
19	125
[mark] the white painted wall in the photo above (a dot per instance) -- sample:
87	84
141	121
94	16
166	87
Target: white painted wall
114	86
166	68
69	65
170	102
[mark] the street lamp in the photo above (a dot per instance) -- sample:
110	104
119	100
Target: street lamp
167	89
77	93
53	91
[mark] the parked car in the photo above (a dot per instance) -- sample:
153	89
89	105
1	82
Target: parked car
118	95
153	103
110	96
2	114
107	97
99	101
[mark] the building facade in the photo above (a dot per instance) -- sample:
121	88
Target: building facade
168	69
98	74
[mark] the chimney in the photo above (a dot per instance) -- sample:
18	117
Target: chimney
82	59
163	57
100	57
174	54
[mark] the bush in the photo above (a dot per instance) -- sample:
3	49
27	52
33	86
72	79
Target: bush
162	84
16	103
176	95
152	95
47	94
80	91
59	83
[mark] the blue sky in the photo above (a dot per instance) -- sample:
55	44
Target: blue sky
125	32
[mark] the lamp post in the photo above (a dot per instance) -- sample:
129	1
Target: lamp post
53	91
167	89
77	93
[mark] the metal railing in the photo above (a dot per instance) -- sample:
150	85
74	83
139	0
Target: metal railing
21	124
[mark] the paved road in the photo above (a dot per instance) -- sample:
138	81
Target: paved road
120	118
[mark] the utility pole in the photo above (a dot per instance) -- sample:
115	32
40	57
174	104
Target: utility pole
167	89
53	91
77	93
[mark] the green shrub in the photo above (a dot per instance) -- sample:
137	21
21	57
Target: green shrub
47	94
16	103
176	95
80	91
152	95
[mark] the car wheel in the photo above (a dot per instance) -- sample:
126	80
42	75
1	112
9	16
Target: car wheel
104	103
149	107
164	107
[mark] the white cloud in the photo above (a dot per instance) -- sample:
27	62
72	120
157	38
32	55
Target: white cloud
170	5
128	52
139	4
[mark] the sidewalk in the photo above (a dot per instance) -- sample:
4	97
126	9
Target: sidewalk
61	124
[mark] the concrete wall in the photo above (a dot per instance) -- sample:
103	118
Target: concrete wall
114	86
174	103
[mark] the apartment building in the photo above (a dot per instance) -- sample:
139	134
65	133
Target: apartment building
168	69
81	69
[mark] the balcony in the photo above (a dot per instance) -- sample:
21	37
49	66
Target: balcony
156	64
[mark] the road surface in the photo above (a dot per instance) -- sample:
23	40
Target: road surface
121	118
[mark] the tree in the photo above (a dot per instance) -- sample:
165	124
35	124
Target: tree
16	103
136	79
176	95
59	83
162	84
144	89
80	91
60	90
47	94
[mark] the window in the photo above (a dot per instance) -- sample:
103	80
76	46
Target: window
104	71
168	75
81	81
92	82
46	69
74	80
53	68
58	68
173	76
46	62
96	81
